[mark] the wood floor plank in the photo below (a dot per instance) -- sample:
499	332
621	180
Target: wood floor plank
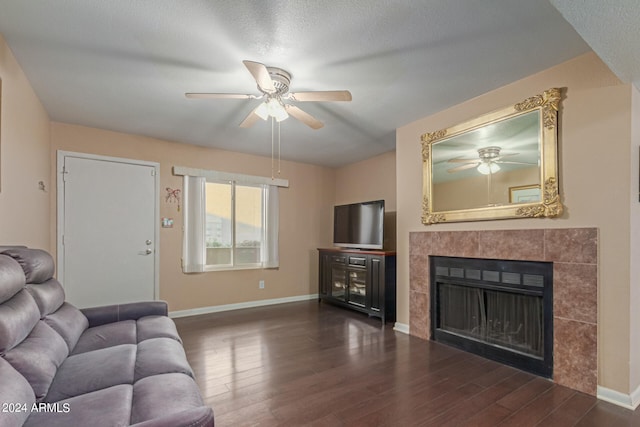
540	407
319	365
571	412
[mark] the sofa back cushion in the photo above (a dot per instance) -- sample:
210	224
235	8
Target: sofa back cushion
18	316
38	357
16	394
69	322
49	296
38	265
11	278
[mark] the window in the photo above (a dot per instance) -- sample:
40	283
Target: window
229	223
234	231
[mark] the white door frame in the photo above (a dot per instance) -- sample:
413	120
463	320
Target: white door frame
61	155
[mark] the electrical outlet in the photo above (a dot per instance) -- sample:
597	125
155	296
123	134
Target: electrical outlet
261	284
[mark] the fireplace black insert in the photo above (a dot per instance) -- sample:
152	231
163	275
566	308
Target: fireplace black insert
498	309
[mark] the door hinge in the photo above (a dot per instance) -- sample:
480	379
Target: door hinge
153	172
64	173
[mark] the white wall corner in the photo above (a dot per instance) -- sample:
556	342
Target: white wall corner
629	401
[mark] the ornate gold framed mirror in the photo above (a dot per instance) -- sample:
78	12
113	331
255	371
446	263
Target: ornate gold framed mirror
500	165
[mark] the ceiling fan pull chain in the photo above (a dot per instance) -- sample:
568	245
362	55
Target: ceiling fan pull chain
278	148
272	168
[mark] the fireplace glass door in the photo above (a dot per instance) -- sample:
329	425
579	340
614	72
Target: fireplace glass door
499	309
500	318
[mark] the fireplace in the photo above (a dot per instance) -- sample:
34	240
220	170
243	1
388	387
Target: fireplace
574	255
499	309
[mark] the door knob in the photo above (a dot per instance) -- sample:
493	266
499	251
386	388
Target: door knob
148	252
148	242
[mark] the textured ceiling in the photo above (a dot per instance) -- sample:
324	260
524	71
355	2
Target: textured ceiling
125	65
612	29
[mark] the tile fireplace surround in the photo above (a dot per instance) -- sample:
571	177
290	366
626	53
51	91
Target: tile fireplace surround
574	253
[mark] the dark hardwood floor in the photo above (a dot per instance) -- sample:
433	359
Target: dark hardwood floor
314	364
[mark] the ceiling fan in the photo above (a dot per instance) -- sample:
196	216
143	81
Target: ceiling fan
488	161
273	83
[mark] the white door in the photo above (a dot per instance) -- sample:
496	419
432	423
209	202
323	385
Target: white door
107	229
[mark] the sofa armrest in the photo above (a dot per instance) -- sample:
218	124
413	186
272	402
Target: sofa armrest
195	417
132	311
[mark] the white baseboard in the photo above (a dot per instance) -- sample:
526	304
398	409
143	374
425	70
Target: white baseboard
401	327
239	306
635	397
629	401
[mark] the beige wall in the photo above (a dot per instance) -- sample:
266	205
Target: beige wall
305	209
473	192
595	179
24	159
371	179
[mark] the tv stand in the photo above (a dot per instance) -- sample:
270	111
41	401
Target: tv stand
361	280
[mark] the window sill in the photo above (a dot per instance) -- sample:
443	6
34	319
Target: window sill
234	267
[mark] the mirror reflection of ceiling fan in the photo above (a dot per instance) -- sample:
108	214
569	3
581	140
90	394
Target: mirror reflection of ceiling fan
273	83
488	161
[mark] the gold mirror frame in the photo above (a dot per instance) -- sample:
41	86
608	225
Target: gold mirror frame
548	104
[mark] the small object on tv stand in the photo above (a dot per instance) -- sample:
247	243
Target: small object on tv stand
360	280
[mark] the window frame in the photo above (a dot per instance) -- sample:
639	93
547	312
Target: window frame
194	217
263	215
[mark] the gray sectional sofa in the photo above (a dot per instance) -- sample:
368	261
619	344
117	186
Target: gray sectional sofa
116	365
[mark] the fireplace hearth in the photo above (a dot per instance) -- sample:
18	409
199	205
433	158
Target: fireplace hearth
499	309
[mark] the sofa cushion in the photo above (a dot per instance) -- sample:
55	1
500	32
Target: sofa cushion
11	278
69	322
37	264
18	316
108	335
15	391
49	296
94	370
157	327
38	357
107	407
201	416
163	395
160	356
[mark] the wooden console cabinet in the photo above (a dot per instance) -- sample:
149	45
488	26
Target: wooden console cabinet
361	280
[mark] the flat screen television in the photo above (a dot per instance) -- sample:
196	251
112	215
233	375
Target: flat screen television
359	225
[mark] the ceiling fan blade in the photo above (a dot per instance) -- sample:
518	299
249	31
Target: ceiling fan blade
328	95
251	118
463	160
219	96
515	163
304	117
505	155
463	167
261	74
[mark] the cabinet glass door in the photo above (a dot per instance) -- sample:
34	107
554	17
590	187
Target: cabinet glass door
339	283
357	287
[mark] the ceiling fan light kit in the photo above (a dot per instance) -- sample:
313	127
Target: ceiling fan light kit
487	168
272	107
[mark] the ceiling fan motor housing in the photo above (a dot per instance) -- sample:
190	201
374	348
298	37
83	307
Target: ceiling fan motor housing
281	80
489	153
